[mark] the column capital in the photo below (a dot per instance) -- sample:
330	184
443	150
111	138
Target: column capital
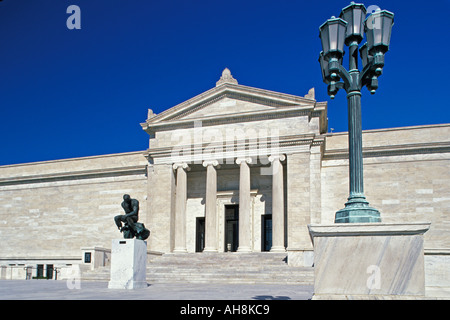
243	159
213	163
183	165
274	157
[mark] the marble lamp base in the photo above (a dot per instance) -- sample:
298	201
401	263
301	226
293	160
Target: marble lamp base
369	260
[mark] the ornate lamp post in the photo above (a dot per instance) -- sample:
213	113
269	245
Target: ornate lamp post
349	29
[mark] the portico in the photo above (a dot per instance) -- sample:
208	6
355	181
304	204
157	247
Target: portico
239	206
221	161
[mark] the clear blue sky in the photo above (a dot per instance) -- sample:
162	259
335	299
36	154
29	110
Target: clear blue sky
72	93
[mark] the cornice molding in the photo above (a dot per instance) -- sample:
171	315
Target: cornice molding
407	128
237	148
233	118
392	150
50	162
75	175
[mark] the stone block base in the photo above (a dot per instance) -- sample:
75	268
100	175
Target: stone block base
128	264
368	260
300	258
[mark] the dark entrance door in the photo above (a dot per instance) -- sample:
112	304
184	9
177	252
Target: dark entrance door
267	232
49	274
231	227
200	235
40	271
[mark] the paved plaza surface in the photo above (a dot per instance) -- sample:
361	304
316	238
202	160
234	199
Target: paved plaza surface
95	290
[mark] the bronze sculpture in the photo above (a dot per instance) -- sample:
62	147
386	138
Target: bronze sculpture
131	227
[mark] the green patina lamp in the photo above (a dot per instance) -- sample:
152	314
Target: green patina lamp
349	30
354	14
378	28
332	34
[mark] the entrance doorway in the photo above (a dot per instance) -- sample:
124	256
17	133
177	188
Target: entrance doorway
231	227
200	235
267	232
49	271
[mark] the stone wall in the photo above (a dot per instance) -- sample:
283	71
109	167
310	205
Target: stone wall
51	209
161	208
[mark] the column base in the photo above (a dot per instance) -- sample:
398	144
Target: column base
357	210
278	249
209	250
244	250
180	250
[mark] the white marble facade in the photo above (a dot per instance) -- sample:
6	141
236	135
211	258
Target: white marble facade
229	149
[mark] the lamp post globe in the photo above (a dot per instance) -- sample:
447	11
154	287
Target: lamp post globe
332	34
378	27
354	14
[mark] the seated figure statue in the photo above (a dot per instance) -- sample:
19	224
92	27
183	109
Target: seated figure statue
131	227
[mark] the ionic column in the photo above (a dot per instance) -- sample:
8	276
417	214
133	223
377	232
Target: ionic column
210	206
244	205
180	207
277	204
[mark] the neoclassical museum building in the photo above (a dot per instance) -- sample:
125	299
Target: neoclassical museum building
235	168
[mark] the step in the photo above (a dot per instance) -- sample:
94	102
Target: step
267	268
214	278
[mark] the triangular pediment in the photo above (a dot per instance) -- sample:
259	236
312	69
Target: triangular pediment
225	106
230	102
230	99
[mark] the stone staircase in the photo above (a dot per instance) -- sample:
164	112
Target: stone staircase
249	268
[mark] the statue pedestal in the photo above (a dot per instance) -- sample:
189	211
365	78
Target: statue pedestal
128	264
369	260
